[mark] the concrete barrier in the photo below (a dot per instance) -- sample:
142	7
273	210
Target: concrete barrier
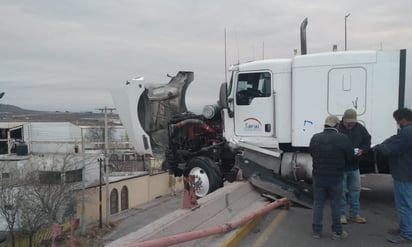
227	203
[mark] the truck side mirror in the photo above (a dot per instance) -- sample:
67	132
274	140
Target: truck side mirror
223	95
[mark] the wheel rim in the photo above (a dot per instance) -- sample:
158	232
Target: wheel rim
201	183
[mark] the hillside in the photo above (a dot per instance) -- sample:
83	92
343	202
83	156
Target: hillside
11	113
11	109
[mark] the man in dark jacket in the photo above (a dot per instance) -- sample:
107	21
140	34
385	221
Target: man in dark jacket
330	151
361	142
398	149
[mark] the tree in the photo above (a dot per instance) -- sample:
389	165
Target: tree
49	190
46	194
10	203
32	217
96	136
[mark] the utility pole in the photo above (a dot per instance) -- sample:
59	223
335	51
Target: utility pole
225	59
263	50
100	159
346	41
106	160
106	165
82	220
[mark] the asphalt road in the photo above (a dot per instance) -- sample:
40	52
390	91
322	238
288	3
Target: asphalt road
290	227
293	227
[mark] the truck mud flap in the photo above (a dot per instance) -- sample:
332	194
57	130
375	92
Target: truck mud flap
271	183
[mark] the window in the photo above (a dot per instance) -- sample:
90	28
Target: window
74	176
252	85
114	201
124	197
3	134
49	177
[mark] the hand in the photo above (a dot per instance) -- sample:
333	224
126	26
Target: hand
375	147
359	153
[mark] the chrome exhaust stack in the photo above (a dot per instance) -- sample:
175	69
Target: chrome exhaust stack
303	49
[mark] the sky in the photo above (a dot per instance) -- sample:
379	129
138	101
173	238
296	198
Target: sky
68	55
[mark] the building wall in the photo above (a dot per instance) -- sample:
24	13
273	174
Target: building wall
52	137
141	189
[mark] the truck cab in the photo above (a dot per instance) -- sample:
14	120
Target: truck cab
258	102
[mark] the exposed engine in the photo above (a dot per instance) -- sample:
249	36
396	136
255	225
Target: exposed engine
196	145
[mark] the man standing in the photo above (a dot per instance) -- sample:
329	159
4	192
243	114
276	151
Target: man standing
398	149
361	142
330	151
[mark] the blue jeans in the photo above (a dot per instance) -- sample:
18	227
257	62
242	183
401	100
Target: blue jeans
325	187
351	193
403	203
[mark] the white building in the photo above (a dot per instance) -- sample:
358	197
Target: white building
64	149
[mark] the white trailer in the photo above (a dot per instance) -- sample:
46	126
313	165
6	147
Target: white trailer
286	101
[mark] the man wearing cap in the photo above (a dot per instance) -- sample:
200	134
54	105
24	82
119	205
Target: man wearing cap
397	149
361	142
330	151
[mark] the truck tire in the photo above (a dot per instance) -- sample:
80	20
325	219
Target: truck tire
207	178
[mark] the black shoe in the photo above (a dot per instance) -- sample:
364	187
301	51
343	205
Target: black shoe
339	236
394	232
398	239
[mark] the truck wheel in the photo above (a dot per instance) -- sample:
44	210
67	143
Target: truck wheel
206	178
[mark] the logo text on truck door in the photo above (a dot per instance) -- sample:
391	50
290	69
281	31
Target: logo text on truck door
252	124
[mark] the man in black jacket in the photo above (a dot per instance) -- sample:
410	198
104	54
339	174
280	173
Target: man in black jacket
398	149
361	142
330	151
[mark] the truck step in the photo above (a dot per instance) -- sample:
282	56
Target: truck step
279	186
270	182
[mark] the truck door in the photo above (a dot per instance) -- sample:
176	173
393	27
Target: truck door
254	104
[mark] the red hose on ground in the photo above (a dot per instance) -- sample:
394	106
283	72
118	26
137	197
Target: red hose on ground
188	236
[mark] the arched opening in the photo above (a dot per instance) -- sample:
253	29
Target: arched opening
114	201
124	198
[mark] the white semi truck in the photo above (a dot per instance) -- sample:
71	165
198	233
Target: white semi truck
265	117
